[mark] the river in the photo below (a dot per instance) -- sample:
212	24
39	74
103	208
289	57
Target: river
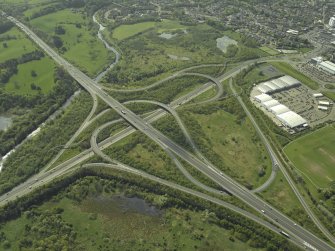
108	47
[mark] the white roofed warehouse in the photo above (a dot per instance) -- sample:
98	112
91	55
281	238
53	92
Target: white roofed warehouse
277	85
279	109
262	98
269	104
291	119
328	67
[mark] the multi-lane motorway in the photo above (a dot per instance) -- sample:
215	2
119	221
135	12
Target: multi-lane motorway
209	170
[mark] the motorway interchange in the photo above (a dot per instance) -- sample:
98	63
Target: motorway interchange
275	220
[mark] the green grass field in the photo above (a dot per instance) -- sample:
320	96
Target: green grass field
269	50
234	144
289	70
314	156
82	46
21	83
15	47
129	30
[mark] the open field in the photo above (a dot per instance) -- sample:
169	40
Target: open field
15	47
81	47
21	83
129	30
289	70
314	156
235	144
269	50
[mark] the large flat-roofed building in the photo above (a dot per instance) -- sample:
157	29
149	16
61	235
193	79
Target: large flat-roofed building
327	66
291	119
277	85
262	98
270	103
317	95
279	109
324	103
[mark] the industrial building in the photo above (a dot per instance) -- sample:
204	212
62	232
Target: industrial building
279	109
327	66
327	103
277	85
292	120
323	108
262	98
317	95
270	103
316	60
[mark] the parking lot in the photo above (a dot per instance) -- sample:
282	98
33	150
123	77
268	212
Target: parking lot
301	101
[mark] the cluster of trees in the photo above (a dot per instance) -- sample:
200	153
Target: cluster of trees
5	25
293	42
9	67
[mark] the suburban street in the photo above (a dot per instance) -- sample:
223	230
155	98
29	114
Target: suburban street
297	233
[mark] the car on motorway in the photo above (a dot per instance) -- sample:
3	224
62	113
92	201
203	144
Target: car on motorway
123	112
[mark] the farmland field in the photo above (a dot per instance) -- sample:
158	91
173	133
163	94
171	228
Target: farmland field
81	46
17	46
125	31
21	83
314	156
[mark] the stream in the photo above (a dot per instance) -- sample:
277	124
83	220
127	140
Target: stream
108	47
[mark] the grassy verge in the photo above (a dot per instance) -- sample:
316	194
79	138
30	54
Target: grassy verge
269	50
